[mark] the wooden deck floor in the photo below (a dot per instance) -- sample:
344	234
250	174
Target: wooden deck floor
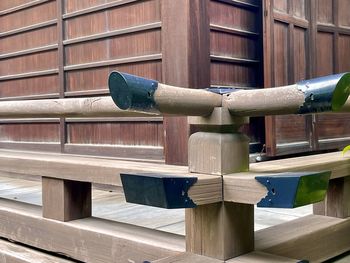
111	205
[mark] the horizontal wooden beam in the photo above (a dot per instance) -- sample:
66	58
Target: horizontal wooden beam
188	258
15	253
261	257
23	6
29	74
118	32
335	162
87	240
279	190
172	191
68	107
253	257
29	28
70	167
112	62
313	238
29	51
97	8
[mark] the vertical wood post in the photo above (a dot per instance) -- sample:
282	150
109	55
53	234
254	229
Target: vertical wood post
185	63
337	201
65	200
222	230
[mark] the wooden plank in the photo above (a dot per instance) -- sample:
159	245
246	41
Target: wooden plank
335	162
87	240
314	238
98	8
15	253
112	62
336	203
260	257
28	28
188	258
118	32
66	200
280	190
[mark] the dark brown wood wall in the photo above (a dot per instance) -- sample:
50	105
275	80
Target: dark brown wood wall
66	48
305	39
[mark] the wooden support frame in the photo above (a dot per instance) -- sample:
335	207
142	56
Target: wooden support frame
186	44
336	203
65	200
86	240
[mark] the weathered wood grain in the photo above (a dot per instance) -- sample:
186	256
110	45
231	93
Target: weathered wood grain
15	253
314	238
87	240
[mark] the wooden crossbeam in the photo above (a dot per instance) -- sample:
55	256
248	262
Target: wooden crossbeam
15	253
253	257
87	240
335	162
207	189
279	190
314	238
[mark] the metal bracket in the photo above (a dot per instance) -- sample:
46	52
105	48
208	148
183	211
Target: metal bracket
158	190
294	189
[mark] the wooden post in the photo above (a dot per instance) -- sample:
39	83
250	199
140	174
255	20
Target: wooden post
337	201
185	63
65	200
222	230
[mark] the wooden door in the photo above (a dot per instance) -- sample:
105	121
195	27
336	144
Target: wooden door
304	39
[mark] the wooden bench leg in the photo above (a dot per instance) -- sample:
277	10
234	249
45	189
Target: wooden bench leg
65	200
221	230
337	201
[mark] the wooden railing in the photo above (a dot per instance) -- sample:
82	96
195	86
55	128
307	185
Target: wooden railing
218	188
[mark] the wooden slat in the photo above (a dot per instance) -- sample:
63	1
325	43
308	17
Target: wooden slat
29	51
29	28
24	6
15	253
29	74
240	4
314	238
87	240
335	162
261	257
113	33
188	258
231	30
112	62
31	97
97	8
233	59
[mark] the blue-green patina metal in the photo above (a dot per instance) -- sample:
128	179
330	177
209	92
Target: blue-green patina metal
158	190
294	189
131	92
323	94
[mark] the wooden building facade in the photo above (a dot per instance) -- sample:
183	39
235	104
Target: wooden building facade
66	48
